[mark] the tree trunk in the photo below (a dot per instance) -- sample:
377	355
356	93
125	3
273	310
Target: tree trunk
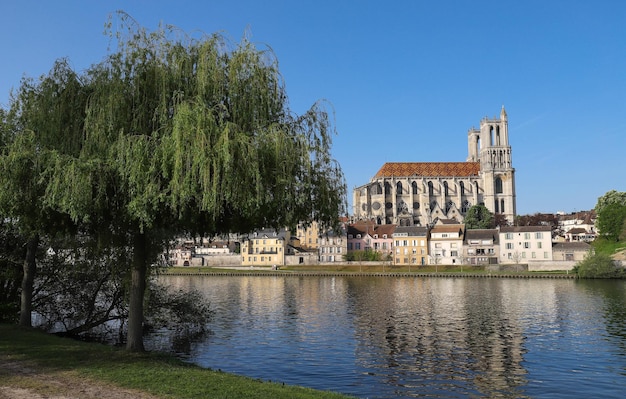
30	267
134	340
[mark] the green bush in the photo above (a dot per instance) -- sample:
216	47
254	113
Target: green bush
598	265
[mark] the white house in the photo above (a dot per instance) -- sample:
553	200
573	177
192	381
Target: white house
525	244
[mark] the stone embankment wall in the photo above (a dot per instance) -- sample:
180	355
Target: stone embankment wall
547	266
222	260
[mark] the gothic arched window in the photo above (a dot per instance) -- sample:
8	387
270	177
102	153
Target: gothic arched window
462	187
498	185
445	188
502	205
399	188
387	188
414	187
431	190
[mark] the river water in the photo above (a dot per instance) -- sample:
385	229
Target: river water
408	337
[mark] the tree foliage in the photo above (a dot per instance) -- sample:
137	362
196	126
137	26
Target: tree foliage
610	197
478	217
169	134
598	266
611	222
611	215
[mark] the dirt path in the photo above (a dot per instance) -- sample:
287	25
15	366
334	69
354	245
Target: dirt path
19	381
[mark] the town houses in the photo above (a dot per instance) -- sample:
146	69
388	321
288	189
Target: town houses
413	214
443	243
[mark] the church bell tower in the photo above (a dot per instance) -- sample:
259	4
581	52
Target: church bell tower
489	145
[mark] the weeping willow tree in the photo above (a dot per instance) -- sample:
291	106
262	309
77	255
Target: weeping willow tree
44	118
187	134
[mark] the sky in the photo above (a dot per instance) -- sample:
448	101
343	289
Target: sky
406	79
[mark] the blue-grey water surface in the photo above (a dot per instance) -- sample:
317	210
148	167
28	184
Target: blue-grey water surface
407	337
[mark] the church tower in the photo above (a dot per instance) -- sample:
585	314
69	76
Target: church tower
489	145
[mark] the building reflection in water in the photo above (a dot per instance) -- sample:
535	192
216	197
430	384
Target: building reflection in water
408	337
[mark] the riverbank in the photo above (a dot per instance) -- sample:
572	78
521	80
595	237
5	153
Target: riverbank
38	365
359	270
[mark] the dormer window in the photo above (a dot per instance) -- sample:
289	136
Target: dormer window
375	235
358	236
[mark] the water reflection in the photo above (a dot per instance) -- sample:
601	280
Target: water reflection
416	337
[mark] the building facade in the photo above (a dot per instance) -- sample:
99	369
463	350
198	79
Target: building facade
481	246
410	245
419	193
525	244
333	247
265	248
446	244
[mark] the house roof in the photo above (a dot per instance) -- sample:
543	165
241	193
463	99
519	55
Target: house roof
447	228
385	229
280	234
462	169
482	234
577	230
571	246
419	231
447	221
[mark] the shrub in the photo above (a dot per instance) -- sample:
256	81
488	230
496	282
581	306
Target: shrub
598	265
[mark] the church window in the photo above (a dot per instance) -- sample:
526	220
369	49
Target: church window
462	187
502	205
399	188
431	190
414	187
497	209
476	186
387	188
466	206
498	185
445	188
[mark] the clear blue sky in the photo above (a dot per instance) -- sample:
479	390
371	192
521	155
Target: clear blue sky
407	79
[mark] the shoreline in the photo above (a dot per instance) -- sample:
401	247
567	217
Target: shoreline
291	273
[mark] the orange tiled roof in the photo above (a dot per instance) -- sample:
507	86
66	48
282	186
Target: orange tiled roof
429	169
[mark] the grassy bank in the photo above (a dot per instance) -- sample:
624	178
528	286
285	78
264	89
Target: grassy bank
455	270
160	375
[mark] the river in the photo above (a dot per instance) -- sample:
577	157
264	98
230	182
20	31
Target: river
408	337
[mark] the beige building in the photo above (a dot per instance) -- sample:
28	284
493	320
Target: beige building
525	244
410	245
419	193
446	244
308	235
570	251
265	248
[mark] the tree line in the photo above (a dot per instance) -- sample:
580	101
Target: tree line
168	135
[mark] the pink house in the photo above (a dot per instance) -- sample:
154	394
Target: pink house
369	236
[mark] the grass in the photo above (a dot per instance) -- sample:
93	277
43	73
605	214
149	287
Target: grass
607	247
365	268
158	374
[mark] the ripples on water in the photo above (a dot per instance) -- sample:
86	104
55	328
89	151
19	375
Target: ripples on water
381	337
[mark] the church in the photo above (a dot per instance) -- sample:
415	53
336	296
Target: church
421	193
